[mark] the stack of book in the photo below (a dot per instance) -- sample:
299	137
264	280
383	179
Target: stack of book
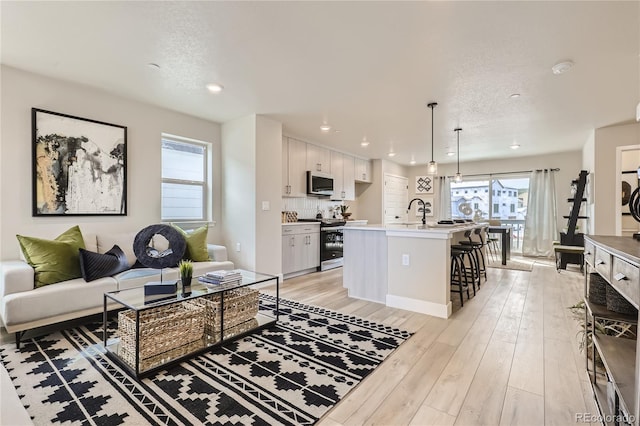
222	277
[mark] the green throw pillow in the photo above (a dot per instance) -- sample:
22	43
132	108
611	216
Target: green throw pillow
54	260
196	244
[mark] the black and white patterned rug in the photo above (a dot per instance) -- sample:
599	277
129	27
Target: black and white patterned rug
292	373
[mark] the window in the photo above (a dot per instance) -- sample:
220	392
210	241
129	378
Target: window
496	209
184	180
475	206
513	208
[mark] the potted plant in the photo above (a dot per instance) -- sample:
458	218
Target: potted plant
186	273
343	211
602	326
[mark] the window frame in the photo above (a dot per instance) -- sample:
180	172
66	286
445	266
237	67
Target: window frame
204	184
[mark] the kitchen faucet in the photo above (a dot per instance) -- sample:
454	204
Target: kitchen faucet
424	209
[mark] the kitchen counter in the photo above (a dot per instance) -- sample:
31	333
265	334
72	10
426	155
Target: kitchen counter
421	231
404	266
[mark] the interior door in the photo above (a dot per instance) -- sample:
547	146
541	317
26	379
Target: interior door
396	199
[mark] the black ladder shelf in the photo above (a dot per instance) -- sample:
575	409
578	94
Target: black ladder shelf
571	237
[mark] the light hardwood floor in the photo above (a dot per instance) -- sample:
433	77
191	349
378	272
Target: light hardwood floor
508	357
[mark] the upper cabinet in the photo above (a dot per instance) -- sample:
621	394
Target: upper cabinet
342	170
363	170
298	157
318	159
294	179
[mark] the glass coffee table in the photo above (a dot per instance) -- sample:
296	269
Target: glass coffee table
156	330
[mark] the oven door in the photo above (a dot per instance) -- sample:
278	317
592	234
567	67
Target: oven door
331	247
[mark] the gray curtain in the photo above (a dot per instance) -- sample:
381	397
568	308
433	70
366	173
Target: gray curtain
541	222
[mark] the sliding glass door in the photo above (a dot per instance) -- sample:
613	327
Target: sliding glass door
502	199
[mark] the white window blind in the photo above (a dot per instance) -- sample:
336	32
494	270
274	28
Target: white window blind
184	180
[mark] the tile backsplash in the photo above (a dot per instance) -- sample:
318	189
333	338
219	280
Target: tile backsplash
307	208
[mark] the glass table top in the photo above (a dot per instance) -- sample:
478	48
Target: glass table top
140	298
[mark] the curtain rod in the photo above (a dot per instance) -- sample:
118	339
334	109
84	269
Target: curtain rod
507	173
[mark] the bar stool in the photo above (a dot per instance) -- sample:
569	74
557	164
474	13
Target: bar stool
458	274
492	245
469	265
478	249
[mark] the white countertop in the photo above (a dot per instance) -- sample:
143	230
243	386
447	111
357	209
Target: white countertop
417	228
300	223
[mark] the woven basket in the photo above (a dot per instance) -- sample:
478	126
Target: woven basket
240	305
597	289
617	303
157	360
161	329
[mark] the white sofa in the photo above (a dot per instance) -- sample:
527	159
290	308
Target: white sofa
24	307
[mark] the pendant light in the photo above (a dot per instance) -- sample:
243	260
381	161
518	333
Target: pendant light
432	167
458	177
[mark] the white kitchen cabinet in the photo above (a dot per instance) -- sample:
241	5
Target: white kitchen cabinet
342	170
348	177
362	170
318	159
294	178
300	248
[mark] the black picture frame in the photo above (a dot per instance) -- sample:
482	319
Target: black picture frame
79	166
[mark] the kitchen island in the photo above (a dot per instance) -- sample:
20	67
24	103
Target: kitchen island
402	266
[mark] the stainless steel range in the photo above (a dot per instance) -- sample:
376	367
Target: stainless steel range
331	242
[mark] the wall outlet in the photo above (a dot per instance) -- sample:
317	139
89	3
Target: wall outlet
237	246
405	260
266	206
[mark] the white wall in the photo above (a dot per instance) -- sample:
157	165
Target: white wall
22	91
268	179
238	206
252	152
606	178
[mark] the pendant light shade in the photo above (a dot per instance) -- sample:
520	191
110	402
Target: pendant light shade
432	167
458	177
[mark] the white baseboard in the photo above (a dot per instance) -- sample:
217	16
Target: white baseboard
420	306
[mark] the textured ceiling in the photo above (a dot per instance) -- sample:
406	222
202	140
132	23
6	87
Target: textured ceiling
367	68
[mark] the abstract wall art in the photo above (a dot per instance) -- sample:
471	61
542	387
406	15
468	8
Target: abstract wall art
424	184
428	206
79	166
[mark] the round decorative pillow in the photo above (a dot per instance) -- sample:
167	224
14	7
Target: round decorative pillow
150	257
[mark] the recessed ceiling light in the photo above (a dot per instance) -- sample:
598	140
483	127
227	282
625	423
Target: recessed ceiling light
215	87
514	146
325	128
153	65
391	154
562	67
412	162
337	130
515	95
364	142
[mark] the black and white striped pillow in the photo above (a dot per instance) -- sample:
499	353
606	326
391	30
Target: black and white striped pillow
95	265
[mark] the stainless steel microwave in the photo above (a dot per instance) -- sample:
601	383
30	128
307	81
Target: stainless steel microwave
319	183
